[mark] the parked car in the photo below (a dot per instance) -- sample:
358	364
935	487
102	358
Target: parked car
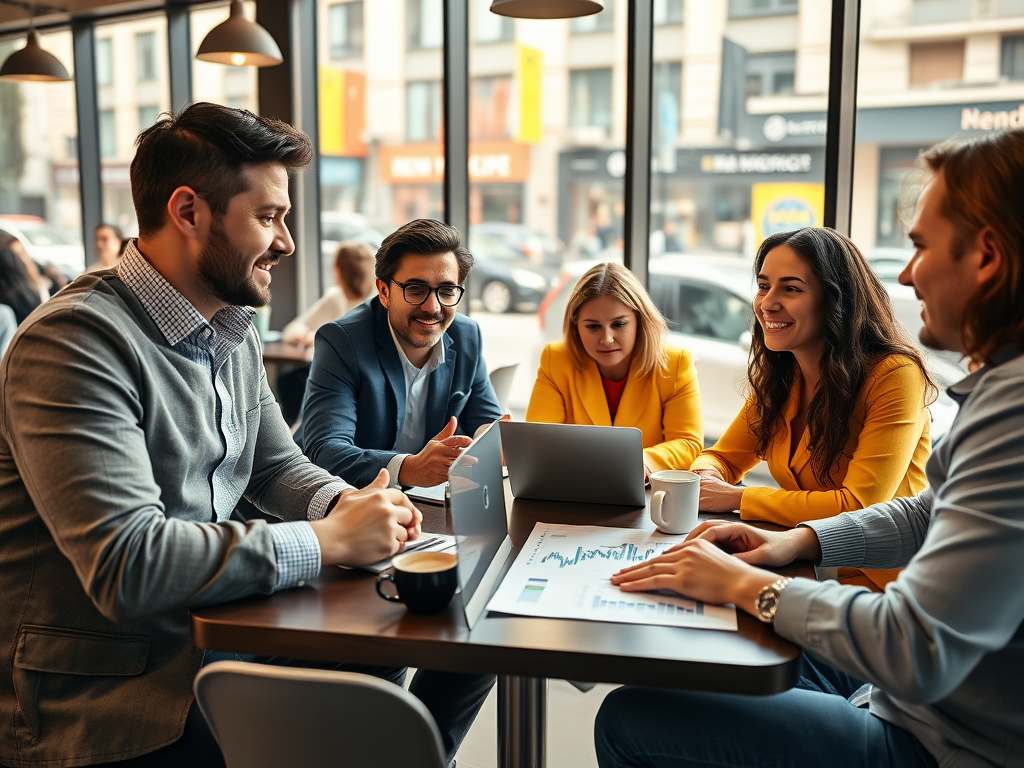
706	301
538	248
503	280
45	243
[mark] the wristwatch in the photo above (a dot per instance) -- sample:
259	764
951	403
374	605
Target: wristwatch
768	600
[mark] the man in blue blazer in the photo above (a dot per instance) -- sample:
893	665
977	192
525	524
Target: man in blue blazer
401	368
387	376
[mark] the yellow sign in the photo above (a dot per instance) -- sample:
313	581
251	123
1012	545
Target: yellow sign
331	111
785	207
529	66
342	112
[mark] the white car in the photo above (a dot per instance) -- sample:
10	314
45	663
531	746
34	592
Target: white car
45	243
706	301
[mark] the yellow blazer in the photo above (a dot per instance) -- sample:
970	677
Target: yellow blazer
884	457
664	406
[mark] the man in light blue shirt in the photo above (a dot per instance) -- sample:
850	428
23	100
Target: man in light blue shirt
928	673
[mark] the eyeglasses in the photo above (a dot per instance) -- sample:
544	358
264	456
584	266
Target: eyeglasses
418	293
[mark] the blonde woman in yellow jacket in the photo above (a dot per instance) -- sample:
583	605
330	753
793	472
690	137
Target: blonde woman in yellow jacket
837	403
614	367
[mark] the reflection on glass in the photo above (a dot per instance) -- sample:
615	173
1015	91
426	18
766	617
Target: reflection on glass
39	192
914	90
132	88
381	120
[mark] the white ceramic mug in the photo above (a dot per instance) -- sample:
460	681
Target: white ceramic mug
675	500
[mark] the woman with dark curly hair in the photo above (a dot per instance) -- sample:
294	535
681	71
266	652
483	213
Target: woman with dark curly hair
838	394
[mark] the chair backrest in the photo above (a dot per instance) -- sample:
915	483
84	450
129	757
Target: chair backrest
501	380
266	716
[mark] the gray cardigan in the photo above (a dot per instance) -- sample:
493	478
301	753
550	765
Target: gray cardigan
108	441
944	646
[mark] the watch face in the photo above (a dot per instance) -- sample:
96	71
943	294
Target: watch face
768	602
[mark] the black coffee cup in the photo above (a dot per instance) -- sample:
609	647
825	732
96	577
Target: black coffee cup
424	581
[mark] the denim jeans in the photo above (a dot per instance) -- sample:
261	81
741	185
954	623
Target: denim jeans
811	725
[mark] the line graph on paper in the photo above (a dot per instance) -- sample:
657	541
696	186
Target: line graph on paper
603	553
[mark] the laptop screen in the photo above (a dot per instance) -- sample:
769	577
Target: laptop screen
479	520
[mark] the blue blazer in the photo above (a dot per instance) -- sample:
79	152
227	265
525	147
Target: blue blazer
354	407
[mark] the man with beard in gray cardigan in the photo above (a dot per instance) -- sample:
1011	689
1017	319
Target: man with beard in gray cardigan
135	413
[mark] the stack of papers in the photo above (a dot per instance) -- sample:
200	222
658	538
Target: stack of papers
563	572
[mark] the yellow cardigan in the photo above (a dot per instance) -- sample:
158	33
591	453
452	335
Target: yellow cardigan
664	406
884	457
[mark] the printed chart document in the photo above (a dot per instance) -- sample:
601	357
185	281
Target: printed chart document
563	572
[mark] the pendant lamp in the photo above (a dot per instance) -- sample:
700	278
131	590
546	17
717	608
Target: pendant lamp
32	64
546	9
239	42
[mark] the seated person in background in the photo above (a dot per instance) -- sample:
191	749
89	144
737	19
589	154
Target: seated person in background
43	286
17	290
134	414
400	381
108	247
837	393
943	647
614	367
353	277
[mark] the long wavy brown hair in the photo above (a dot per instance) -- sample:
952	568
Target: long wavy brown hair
860	330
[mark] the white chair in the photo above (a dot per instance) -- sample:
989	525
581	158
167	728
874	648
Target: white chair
501	380
265	716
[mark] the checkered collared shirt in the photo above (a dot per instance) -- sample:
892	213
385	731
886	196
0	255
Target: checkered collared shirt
210	344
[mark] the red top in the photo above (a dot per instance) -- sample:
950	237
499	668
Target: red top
613	392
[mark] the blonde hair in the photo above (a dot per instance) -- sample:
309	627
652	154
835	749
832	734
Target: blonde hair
614	280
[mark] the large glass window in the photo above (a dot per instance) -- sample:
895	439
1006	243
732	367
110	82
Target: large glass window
381	123
771	74
137	92
104	62
219	83
590	99
39	193
596	22
668	12
424	23
741	8
345	30
490	27
915	90
423	110
1012	59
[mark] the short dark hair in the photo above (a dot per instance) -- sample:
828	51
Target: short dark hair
423	237
205	146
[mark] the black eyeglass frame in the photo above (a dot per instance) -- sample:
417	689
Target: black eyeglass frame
459	288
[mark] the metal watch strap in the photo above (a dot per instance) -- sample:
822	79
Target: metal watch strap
768	599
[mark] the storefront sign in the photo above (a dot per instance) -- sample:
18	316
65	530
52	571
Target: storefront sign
489	161
974	119
785	207
763	162
779	127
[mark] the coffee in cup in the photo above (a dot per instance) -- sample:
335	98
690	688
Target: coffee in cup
675	500
424	581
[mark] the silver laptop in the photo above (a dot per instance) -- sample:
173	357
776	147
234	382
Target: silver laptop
574	462
479	521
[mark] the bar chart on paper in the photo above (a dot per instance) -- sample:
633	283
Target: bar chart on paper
563	571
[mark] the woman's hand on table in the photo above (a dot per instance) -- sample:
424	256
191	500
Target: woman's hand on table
702	567
716	495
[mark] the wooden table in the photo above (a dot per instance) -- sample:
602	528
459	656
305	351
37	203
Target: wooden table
281	352
339	617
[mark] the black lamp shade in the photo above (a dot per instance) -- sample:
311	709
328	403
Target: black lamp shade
239	42
546	9
33	64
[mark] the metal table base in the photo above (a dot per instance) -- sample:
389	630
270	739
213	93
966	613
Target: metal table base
522	712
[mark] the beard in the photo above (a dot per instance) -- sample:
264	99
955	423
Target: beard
222	270
402	323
